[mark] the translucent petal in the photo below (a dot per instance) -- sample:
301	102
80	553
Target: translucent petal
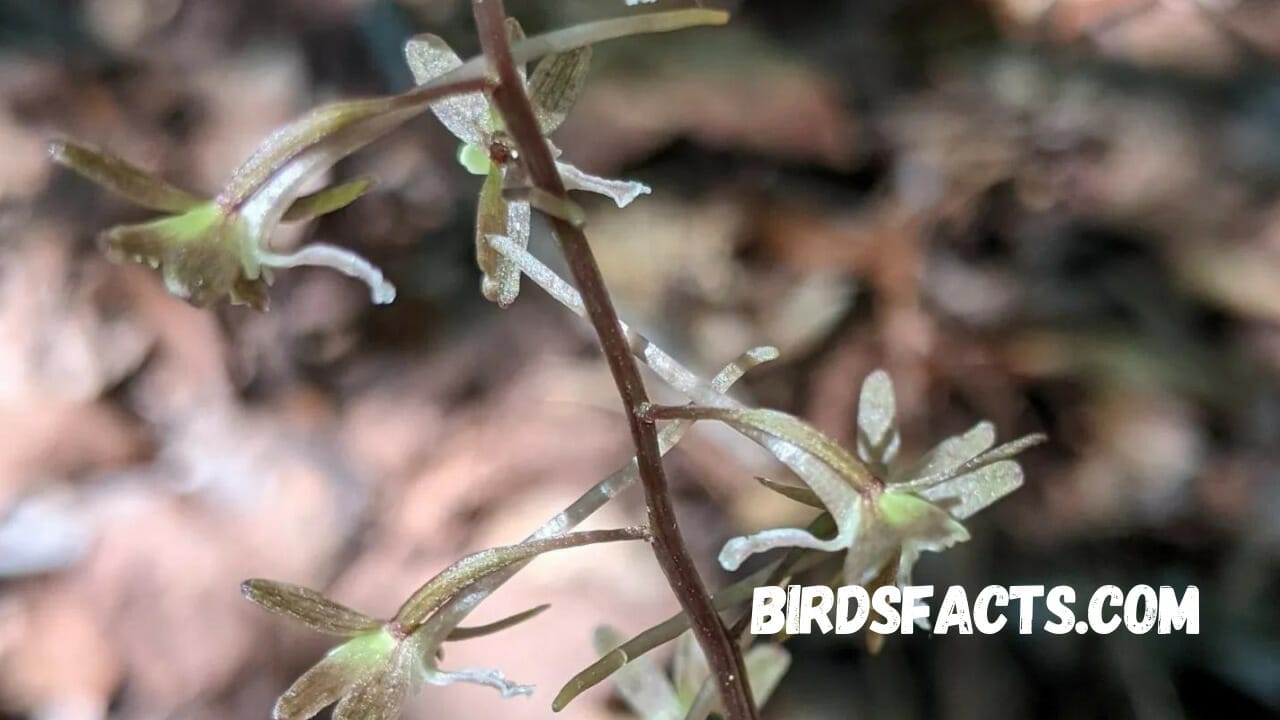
507	277
877	437
967	494
622	192
766	665
689	668
466	116
556	83
641	682
486	677
307	607
950	453
123	179
848	521
381	291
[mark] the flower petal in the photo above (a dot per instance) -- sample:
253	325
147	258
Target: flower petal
878	439
330	199
556	83
950	453
381	291
967	494
466	633
766	665
622	192
641	682
308	607
466	116
382	695
123	179
200	254
473	567
343	668
689	668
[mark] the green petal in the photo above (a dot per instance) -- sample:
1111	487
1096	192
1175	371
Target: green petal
471	568
342	669
475	159
123	179
307	607
201	255
323	202
467	633
641	683
382	695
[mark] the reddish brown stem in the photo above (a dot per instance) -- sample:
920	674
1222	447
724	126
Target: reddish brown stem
512	102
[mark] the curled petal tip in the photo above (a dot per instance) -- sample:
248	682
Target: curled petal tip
734	552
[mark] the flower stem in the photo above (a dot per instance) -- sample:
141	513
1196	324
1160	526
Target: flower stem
722	653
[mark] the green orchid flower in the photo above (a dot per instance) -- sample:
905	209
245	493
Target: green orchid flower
382	663
886	513
687	695
503	208
208	249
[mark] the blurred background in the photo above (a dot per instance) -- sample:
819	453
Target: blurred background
1059	215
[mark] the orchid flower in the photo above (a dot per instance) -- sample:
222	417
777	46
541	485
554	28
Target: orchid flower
374	673
503	208
207	249
886	513
687	695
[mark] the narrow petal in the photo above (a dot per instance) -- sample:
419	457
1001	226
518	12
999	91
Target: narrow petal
877	437
967	494
323	202
766	665
994	455
641	683
738	549
689	668
622	192
123	179
466	116
471	568
487	677
950	453
308	607
797	493
556	83
381	292
506	278
491	221
466	633
318	688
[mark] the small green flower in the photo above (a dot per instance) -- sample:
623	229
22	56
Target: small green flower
207	249
886	513
487	150
374	673
651	695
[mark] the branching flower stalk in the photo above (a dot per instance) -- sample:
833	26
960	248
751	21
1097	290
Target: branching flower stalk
512	102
